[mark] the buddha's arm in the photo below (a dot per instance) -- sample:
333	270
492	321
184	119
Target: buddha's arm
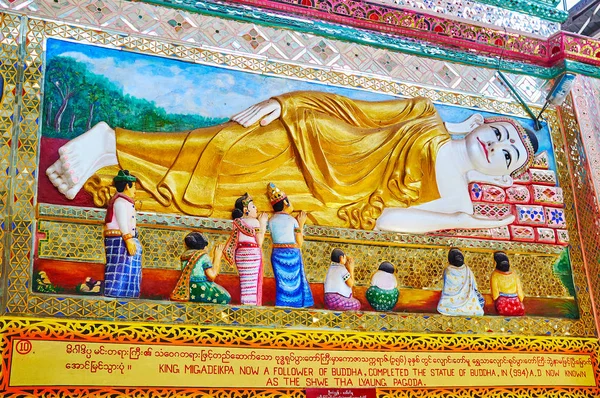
415	220
292	106
354	112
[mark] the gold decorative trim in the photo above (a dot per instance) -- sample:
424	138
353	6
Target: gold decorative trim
13	328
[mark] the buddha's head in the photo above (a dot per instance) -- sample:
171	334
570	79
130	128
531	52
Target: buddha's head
502	263
456	257
501	146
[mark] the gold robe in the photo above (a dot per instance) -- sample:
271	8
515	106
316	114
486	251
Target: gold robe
339	159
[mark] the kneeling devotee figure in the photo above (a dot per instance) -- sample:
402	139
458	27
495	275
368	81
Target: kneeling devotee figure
506	288
338	283
459	294
199	271
292	288
123	270
390	165
383	293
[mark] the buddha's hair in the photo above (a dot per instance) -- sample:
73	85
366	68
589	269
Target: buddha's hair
386	266
533	138
195	241
336	255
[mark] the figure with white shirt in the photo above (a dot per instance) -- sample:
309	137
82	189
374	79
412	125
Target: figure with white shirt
339	282
123	271
383	293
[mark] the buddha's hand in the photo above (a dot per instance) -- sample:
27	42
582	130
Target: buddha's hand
466	126
504	181
265	111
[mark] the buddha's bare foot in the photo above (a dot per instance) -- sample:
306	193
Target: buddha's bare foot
81	157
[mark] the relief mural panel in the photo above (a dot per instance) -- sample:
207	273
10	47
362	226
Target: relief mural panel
329	150
355	260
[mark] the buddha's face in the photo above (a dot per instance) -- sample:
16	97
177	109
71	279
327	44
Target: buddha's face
252	211
496	149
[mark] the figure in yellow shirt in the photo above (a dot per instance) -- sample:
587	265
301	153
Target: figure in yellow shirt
506	288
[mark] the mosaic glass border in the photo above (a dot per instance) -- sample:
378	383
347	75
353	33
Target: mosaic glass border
477	12
10	26
490	43
583	165
28	328
531	7
408	23
21	300
287	46
93	215
258	63
496	46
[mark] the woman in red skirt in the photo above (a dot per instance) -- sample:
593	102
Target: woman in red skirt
244	249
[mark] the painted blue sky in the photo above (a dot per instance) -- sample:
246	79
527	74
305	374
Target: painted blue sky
187	88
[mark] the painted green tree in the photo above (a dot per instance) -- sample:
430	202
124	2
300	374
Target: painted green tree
75	99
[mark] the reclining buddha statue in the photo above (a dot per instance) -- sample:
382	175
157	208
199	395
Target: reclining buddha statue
390	165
